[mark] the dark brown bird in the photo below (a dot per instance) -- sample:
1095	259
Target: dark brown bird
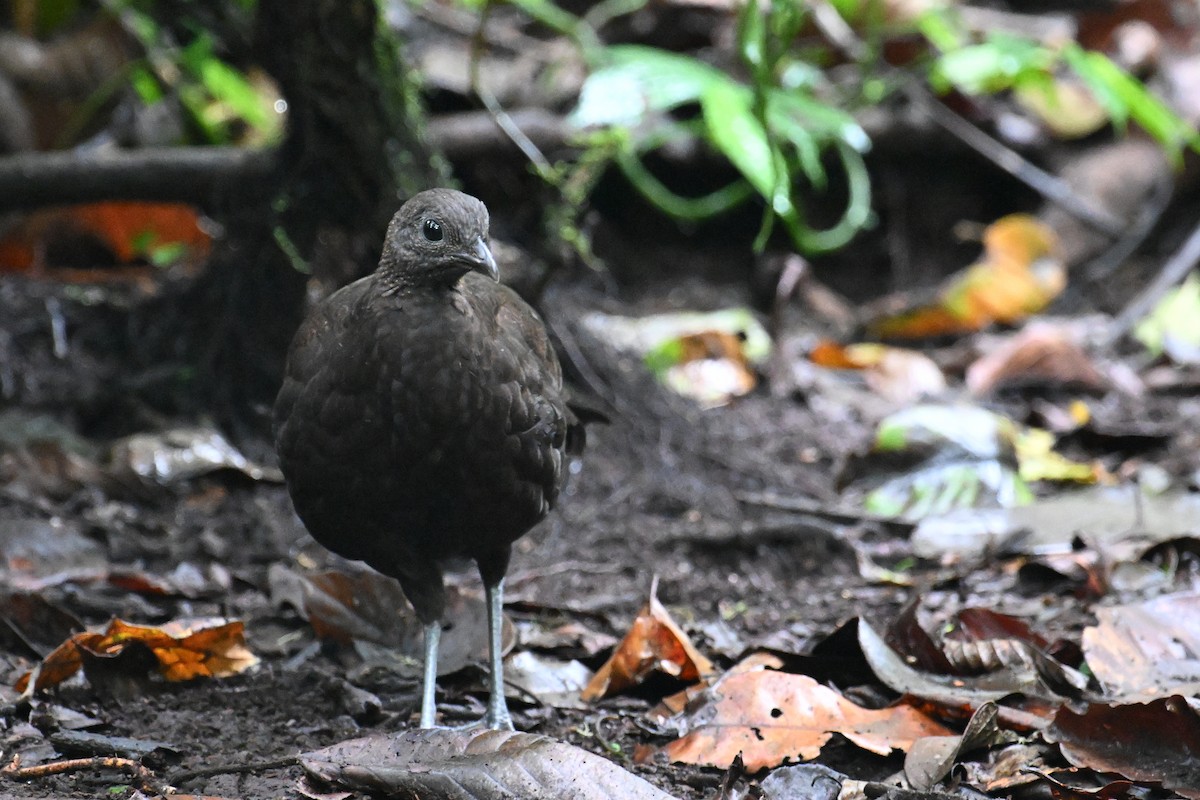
422	418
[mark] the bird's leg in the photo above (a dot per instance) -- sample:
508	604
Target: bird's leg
497	717
433	632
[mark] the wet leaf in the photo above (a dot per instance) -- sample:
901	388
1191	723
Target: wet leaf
655	643
1155	742
1018	276
1146	650
183	650
475	765
770	717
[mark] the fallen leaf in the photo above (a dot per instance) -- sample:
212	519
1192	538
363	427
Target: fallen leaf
474	765
123	232
706	356
183	649
952	691
1004	768
1155	742
1018	276
181	454
771	717
963	455
1110	790
1038	461
1173	327
805	782
903	376
655	643
366	607
930	759
1042	355
553	682
1146	650
1065	106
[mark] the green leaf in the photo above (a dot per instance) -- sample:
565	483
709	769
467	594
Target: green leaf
145	84
1175	320
550	15
752	34
639	80
223	82
991	66
935	26
738	134
1124	97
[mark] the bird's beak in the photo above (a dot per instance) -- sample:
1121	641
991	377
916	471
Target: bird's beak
484	262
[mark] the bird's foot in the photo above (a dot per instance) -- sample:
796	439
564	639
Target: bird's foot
489	721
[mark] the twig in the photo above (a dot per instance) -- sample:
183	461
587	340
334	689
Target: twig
1103	265
499	115
574	567
804	506
1176	268
146	779
476	133
230	769
1049	186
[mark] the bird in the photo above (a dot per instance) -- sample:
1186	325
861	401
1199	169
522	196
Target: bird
422	420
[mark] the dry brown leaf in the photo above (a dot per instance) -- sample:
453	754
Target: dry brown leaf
771	717
930	759
1043	354
1147	650
184	649
952	691
475	765
654	643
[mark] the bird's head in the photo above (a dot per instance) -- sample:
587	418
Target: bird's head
437	237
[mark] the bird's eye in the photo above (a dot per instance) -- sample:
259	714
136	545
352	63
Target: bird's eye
432	230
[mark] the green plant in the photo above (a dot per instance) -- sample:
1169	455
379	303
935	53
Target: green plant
218	98
772	125
1003	61
776	119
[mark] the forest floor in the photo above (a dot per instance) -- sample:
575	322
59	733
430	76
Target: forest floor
666	493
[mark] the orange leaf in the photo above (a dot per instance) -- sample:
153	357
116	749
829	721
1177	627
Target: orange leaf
1017	276
185	649
654	643
771	717
62	662
121	228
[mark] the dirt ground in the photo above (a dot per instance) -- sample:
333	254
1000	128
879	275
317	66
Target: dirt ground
665	491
